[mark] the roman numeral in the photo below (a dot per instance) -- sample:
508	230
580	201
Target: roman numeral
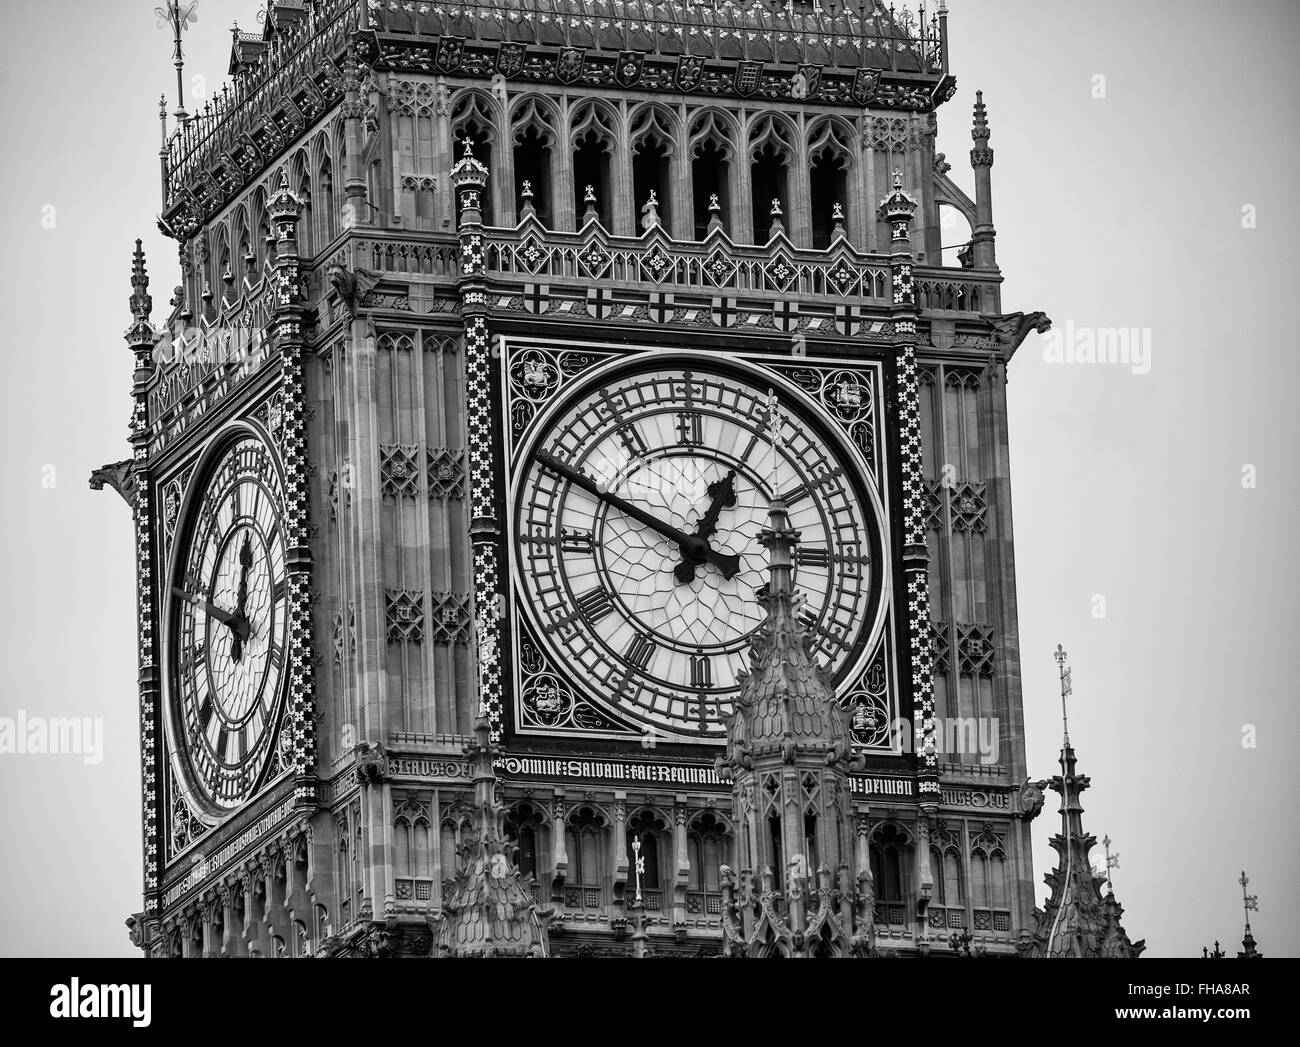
640	651
276	654
222	737
690	428
279	589
575	541
701	671
814	556
632	440
794	494
595	604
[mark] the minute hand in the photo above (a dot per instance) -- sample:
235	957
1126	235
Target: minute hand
225	617
692	545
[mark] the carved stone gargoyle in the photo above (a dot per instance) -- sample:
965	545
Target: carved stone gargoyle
1011	329
352	286
118	476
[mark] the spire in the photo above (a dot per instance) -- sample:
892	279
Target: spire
141	300
179	14
488	909
788	757
1077	920
983	235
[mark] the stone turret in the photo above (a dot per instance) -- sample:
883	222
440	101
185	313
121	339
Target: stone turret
489	908
1077	920
788	758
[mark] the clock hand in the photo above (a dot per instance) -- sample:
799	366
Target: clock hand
245	563
692	546
723	493
236	623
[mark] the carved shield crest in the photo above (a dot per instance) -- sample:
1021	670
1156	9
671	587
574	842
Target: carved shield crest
510	59
450	51
690	70
748	76
628	69
568	67
864	85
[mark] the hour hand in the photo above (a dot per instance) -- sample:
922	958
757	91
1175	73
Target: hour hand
723	495
241	634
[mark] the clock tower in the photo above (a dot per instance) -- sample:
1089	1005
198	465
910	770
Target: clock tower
500	334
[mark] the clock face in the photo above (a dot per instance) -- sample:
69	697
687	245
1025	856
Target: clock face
637	522
229	599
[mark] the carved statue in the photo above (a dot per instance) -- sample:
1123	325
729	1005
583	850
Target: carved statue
118	476
352	286
1031	798
1011	329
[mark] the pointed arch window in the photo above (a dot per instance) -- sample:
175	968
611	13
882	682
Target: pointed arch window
534	135
525	828
887	851
472	118
830	156
771	153
652	141
712	148
592	135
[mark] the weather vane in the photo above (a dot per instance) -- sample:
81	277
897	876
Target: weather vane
1067	688
774	427
1112	861
179	16
1249	901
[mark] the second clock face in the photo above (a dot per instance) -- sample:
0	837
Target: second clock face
230	626
637	526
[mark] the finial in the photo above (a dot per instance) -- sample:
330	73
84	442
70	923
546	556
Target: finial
590	200
141	301
715	213
526	193
837	221
179	15
981	128
1250	902
776	225
1067	689
1112	861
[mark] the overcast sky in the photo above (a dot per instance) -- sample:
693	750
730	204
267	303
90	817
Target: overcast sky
1117	211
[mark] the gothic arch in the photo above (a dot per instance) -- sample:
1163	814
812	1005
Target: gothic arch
586	832
713	125
324	189
594	116
412	840
651	122
772	131
536	112
300	183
